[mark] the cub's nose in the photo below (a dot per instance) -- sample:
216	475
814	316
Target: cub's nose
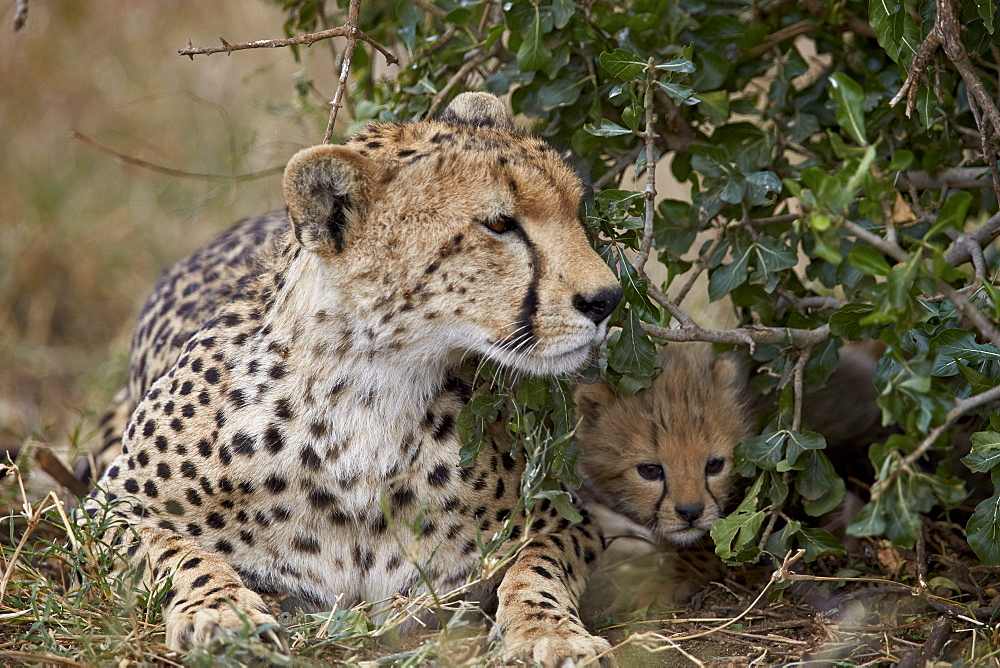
691	512
599	305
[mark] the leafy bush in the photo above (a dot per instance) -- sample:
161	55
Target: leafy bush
824	209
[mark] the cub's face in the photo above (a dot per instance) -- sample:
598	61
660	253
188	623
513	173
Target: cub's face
457	235
664	457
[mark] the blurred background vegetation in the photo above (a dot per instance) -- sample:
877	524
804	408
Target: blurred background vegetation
83	236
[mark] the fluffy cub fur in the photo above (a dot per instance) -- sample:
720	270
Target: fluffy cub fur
664	457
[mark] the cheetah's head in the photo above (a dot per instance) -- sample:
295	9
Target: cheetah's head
455	236
664	456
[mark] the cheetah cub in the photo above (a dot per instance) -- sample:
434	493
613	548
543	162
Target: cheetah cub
304	371
664	457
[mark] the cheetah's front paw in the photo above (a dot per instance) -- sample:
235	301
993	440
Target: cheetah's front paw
560	647
197	626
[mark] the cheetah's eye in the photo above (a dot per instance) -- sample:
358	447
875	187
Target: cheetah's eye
650	471
501	224
714	465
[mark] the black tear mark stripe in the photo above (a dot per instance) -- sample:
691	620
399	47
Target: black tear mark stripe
529	305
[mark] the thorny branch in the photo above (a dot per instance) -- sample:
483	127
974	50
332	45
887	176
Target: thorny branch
649	194
946	34
345	66
349	30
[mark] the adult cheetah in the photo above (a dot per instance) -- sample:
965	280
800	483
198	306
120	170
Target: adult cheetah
299	372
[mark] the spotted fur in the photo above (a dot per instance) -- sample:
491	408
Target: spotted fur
299	372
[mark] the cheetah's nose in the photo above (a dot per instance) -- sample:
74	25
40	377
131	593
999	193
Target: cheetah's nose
599	305
691	512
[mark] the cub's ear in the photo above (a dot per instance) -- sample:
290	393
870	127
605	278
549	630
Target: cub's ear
479	110
591	400
729	371
324	186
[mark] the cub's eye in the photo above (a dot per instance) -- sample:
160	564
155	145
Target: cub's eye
501	224
714	465
650	471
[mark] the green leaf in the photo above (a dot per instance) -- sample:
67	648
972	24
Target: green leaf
562	12
678	64
560	93
534	53
533	392
960	344
846	322
822	489
901	160
633	352
986	10
952	216
727	278
818	543
606	129
562	502
623	65
985	452
849	97
675	91
868	261
765	450
983	530
760	185
926	105
715	105
799	442
870	521
732	534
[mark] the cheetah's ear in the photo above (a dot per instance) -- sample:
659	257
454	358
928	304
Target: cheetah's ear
324	186
591	400
479	110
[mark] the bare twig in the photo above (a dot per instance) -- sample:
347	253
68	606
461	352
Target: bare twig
434	11
935	640
964	178
438	44
984	236
700	266
781	574
797	386
743	336
472	63
349	30
351	26
20	14
136	162
53	466
772	220
960	408
649	194
617	168
805	304
299	40
946	33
